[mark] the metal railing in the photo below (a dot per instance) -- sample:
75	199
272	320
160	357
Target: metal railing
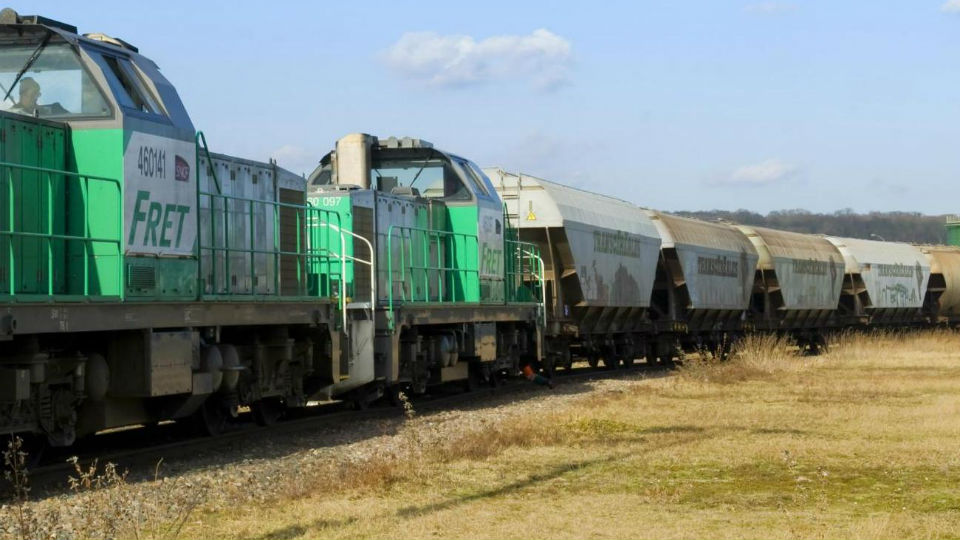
86	240
309	247
431	265
343	261
201	144
523	275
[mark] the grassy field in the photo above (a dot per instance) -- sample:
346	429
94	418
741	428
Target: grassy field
859	443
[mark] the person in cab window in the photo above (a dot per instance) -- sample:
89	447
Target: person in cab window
29	94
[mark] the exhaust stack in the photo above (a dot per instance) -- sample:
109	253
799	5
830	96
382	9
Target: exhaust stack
353	159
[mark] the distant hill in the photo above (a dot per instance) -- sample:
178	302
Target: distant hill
891	226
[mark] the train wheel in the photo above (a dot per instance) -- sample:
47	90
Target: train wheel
611	362
667	361
593	360
472	382
391	395
628	361
550	367
360	403
210	418
267	411
496	378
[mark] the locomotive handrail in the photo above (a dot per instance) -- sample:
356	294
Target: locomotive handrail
304	250
442	270
540	278
86	239
202	143
370	263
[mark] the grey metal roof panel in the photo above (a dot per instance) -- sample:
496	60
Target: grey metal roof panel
694	232
542	203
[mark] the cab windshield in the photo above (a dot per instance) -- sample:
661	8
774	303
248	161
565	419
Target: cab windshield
55	85
432	176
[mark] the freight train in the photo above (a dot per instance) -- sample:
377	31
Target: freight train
148	279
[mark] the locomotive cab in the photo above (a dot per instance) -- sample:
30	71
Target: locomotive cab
122	129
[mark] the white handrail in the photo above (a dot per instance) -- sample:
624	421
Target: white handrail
543	286
343	261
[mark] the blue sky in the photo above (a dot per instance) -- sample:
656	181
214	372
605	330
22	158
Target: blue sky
673	105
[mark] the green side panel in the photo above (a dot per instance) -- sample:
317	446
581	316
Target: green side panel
326	275
32	202
953	234
150	278
96	207
464	252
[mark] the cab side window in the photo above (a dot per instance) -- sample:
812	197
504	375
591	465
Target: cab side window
453	188
127	85
479	187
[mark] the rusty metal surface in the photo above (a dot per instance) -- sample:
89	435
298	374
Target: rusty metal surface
808	269
895	275
89	317
718	262
945	260
610	244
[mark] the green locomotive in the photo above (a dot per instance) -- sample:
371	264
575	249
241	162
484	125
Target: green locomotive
147	279
453	294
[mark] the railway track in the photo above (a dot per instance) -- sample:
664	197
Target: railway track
137	451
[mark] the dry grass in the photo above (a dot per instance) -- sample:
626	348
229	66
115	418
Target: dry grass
857	443
756	356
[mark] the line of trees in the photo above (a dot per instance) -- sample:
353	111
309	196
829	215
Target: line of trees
891	226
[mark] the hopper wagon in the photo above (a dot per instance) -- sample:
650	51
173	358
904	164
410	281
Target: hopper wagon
884	282
942	301
797	284
600	259
704	282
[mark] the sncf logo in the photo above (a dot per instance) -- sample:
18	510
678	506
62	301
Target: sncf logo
181	169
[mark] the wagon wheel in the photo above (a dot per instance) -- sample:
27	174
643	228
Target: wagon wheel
550	366
210	418
267	411
472	382
611	361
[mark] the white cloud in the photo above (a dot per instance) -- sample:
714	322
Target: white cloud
760	174
542	58
951	6
771	8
